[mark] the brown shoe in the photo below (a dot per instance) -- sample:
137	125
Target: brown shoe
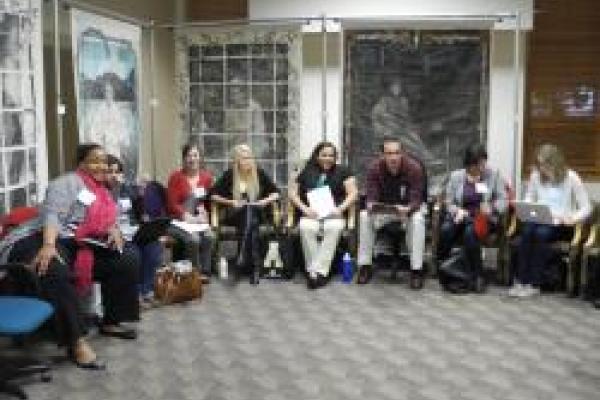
416	280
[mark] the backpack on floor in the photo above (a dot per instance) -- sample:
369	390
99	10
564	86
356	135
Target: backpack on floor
453	273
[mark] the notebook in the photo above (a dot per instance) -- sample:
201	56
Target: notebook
150	231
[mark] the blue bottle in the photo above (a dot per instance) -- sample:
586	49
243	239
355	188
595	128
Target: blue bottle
347	269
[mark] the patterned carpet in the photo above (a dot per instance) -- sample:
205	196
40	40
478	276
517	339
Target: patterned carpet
380	341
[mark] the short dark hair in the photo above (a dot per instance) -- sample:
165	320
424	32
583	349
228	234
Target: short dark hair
112	160
390	139
192	144
84	150
474	154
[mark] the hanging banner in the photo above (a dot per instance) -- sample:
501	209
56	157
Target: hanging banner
106	56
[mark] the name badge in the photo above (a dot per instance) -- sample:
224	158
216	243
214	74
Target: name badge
86	197
481	188
125	204
199	193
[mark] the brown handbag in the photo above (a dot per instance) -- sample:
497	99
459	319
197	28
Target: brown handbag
172	286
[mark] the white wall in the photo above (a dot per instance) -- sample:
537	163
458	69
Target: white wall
311	129
387	8
501	128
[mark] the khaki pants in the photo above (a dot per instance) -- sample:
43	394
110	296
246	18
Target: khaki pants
318	256
415	236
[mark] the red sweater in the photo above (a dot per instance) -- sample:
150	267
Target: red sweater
179	189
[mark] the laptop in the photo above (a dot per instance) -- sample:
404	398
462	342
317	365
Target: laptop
533	212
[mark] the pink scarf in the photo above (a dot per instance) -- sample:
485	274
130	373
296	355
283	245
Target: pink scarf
100	216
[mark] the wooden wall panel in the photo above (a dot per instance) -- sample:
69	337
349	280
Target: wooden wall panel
202	10
563	83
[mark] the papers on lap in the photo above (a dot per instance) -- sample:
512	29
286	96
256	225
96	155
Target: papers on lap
383	208
190	228
321	200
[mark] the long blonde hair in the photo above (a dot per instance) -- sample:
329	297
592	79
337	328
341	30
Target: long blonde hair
553	158
251	180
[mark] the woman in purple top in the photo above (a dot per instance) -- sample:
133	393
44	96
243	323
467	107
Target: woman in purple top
471	191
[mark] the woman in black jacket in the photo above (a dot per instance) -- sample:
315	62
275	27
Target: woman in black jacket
247	191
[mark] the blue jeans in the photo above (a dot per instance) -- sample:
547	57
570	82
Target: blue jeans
534	252
151	258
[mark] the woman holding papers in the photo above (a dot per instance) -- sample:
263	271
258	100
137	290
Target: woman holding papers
187	201
247	191
78	207
560	188
322	192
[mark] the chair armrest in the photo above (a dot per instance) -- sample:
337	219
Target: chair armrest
511	228
291	209
214	214
351	217
592	239
276	209
577	235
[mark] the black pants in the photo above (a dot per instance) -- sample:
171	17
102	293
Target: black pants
451	233
118	275
247	220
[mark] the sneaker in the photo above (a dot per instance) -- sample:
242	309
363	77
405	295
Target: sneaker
516	290
530	291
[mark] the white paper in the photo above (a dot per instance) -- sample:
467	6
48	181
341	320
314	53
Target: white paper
481	188
190	228
321	200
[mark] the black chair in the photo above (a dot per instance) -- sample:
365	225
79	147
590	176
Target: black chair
590	279
223	232
20	316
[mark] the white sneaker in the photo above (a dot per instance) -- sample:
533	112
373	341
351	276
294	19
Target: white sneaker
516	290
531	291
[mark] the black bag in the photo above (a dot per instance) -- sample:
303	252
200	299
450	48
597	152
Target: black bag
592	290
286	255
454	275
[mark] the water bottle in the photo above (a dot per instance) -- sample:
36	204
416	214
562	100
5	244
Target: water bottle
223	268
347	270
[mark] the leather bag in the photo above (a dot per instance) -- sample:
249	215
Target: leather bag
172	286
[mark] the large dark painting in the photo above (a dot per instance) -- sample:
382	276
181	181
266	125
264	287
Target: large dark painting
427	88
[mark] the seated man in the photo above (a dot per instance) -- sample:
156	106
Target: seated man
395	183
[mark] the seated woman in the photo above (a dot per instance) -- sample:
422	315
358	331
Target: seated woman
246	190
187	194
150	253
560	188
77	208
475	195
322	170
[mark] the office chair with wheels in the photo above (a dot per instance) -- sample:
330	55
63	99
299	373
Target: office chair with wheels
19	317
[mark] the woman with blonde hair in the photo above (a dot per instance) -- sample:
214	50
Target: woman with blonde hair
551	183
247	191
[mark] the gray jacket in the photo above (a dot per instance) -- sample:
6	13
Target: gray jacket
496	193
61	206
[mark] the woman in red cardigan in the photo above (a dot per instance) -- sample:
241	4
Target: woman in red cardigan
187	201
